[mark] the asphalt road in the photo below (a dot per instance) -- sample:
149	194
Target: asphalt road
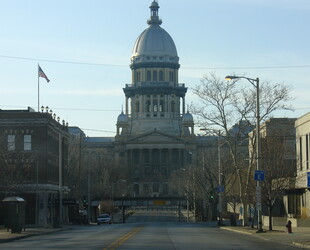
146	230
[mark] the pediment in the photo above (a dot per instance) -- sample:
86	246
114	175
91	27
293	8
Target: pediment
155	137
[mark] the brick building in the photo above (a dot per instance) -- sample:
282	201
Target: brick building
33	159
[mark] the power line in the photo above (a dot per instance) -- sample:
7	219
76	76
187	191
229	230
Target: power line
125	65
61	61
98	130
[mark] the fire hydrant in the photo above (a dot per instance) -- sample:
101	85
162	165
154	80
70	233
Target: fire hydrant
289	227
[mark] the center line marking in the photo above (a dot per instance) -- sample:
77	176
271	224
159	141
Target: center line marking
122	239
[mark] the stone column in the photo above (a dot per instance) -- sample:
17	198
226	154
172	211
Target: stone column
126	106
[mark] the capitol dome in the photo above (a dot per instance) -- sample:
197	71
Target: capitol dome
154	44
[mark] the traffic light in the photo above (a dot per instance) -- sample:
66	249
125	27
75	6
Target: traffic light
84	202
211	195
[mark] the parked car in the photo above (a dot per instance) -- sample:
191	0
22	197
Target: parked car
104	219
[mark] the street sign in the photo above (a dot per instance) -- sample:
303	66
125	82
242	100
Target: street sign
259	175
220	189
308	177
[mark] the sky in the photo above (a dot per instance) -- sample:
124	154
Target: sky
84	48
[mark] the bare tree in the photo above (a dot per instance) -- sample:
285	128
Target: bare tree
221	104
278	166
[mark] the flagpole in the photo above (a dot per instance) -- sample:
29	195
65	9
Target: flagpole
38	89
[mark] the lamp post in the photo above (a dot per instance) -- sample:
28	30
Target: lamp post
255	83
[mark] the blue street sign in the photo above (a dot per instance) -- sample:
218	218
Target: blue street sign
308	177
259	175
220	189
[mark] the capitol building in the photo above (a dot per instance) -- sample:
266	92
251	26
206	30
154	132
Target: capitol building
155	133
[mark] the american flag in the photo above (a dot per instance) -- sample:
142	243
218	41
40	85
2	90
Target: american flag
42	74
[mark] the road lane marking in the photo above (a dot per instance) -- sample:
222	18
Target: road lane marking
122	239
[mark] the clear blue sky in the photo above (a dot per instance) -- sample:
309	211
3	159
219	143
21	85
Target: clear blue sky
256	38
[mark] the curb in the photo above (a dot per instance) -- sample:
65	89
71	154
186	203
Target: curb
19	237
301	244
236	230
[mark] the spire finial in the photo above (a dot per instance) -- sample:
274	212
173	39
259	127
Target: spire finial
154	20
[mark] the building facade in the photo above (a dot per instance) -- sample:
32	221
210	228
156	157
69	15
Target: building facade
155	134
33	158
302	197
278	160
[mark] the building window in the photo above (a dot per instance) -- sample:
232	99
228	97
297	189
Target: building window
154	75
155	107
27	142
11	142
161	75
171	76
148	106
137	76
161	106
148	75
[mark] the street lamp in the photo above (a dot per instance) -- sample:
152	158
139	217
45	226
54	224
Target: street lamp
255	83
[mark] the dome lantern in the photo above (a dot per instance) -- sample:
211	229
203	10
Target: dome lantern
154	20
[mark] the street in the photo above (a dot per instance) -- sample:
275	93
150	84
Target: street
146	230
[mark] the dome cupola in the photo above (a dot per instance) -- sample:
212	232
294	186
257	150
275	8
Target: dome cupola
122	118
188	118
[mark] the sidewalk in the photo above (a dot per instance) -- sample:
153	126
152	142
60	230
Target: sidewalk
300	236
6	236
